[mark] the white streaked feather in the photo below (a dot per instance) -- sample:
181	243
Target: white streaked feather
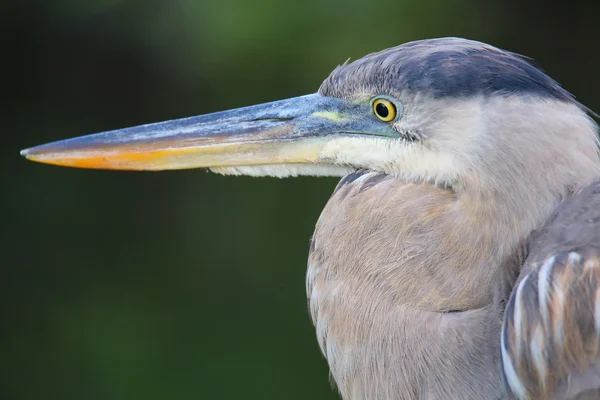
518	315
543	283
509	370
558	320
574	257
597	312
537	352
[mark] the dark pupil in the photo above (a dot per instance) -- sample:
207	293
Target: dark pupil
382	110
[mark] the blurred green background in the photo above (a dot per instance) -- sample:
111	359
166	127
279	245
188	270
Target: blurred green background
188	285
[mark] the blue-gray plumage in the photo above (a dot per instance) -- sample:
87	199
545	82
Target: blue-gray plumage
424	278
446	67
555	307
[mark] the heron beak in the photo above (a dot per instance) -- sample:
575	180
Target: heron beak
281	132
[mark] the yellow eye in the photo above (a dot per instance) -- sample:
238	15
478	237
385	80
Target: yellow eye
384	109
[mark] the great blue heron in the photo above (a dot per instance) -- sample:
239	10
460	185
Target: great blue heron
459	256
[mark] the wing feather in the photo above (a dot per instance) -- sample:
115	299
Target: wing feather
551	332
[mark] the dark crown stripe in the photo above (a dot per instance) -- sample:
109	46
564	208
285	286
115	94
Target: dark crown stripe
448	67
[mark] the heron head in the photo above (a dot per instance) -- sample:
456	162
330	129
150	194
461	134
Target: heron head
445	111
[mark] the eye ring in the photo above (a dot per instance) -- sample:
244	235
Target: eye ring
384	109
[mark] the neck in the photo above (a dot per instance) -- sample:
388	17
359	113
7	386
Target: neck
392	268
406	284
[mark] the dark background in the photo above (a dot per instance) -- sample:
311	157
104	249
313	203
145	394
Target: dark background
189	285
